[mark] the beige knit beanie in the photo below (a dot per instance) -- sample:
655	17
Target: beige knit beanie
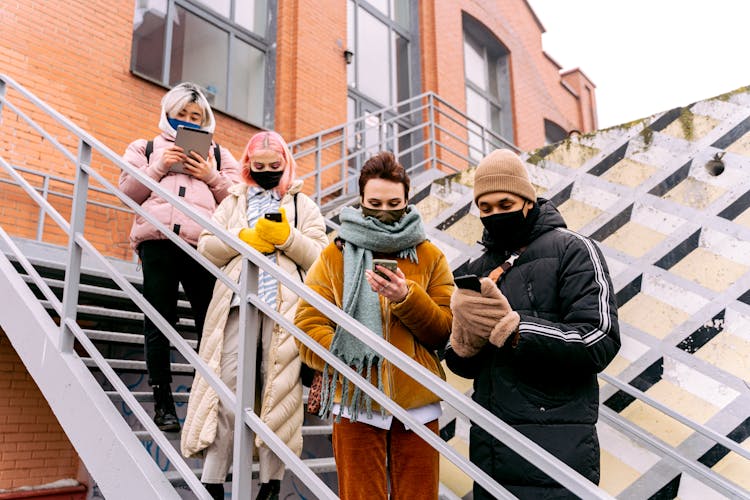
503	170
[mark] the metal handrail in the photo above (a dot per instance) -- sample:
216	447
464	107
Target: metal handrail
409	112
701	429
254	261
550	464
653	442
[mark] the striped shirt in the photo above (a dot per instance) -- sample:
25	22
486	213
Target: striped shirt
260	201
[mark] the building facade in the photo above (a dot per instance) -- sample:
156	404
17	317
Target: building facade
296	66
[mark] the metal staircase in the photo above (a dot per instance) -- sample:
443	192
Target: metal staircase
75	316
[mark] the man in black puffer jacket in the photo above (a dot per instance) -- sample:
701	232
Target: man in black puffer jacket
534	338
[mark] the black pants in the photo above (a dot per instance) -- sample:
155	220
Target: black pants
165	266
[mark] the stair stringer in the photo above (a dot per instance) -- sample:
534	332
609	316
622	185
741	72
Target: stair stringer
111	452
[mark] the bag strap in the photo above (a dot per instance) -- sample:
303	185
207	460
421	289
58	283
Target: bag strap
217	157
217	154
149	150
502	268
301	278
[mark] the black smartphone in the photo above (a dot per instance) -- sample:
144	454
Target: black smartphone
469	282
274	216
391	265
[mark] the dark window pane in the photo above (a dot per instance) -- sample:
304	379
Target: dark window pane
148	40
553	132
200	53
401	58
495	122
373	71
248	82
492	74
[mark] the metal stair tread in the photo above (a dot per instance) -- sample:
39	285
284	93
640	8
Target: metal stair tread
116	313
96	290
124	338
147	397
124	364
307	430
317	465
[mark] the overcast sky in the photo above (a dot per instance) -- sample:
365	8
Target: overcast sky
646	56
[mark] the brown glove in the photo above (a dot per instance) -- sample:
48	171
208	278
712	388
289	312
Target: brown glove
475	316
504	328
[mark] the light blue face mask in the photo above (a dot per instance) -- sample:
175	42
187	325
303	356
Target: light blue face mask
174	122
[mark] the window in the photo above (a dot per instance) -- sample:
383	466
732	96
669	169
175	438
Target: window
219	44
384	42
553	132
379	35
487	89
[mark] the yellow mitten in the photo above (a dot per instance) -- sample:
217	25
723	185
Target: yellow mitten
251	237
275	232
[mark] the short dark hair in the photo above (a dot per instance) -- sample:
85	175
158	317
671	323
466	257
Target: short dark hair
383	166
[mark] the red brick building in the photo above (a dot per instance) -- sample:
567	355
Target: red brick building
296	66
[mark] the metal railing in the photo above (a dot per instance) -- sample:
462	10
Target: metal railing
251	309
423	132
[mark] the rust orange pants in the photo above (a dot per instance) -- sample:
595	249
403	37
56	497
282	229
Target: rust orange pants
369	458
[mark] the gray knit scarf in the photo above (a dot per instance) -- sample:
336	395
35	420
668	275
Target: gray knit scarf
363	236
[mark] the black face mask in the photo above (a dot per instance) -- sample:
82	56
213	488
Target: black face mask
511	230
389	217
267	179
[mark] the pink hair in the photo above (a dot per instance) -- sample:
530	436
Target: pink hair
273	141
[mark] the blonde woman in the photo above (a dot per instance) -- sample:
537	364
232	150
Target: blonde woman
203	185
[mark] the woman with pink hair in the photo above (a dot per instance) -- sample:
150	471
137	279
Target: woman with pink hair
269	213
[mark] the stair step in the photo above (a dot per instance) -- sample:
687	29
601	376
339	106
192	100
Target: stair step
148	397
317	465
97	290
124	338
138	366
307	430
116	313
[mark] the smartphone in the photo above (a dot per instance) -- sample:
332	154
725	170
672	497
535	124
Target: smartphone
469	282
191	139
391	265
274	216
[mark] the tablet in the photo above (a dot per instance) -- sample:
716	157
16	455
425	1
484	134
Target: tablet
191	139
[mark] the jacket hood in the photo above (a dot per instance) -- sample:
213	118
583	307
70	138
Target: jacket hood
548	219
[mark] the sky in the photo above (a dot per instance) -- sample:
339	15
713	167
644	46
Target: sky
647	56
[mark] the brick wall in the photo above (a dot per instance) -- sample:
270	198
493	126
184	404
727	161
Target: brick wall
33	447
311	83
536	89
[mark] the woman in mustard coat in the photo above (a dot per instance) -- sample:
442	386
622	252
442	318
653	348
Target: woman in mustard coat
410	308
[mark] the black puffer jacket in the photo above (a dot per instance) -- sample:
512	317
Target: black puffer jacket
546	386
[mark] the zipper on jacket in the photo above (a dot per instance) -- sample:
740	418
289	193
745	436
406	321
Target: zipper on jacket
530	295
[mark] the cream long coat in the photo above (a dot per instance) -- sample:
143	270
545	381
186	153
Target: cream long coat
281	405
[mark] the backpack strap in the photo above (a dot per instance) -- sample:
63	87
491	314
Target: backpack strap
299	271
149	150
217	156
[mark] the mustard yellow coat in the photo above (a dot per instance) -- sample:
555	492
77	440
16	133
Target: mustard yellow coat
418	325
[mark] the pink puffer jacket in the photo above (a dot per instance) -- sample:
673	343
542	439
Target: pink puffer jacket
203	196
